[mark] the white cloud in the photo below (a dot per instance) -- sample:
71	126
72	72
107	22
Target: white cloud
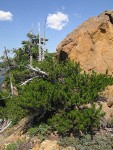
57	20
6	16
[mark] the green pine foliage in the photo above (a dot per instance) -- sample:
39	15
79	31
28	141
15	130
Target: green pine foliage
60	100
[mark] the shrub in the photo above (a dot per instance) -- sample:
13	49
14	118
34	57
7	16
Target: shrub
60	99
11	146
15	146
32	131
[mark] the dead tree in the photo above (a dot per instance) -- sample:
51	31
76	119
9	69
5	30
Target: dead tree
9	67
38	73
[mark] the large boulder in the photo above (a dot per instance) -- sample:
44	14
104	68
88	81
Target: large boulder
91	44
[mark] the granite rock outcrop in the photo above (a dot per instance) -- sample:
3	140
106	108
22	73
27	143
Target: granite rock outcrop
91	44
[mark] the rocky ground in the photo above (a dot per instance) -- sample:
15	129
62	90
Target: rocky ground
14	138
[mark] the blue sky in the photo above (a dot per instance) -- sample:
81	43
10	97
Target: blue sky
18	16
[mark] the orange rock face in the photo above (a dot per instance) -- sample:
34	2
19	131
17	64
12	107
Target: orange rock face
91	44
48	145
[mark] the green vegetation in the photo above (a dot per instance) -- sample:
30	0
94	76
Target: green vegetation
99	142
12	146
15	146
64	100
42	131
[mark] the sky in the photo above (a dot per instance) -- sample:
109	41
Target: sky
18	17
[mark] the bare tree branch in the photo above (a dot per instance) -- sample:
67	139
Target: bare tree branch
3	72
24	83
5	125
37	70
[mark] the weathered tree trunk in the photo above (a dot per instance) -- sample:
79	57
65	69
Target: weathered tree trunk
31	58
10	76
4	125
38	73
39	44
